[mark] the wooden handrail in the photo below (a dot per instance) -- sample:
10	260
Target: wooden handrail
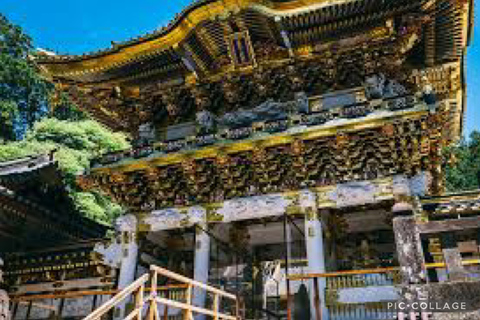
340	273
138	288
122	295
76	294
189	307
466	262
307	276
175	276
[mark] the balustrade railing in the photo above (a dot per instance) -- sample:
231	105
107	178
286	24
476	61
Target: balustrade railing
357	110
359	294
363	295
151	301
178	298
353	295
342	280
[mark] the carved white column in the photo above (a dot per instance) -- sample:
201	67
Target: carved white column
315	250
4	300
4	305
202	258
126	229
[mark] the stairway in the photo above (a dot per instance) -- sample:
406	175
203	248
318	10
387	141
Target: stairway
147	296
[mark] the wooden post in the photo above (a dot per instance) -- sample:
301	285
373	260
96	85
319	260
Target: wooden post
60	308
152	314
318	313
215	306
165	313
94	303
15	308
237	308
139	301
29	309
165	308
188	300
289	301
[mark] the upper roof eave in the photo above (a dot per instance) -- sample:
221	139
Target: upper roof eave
169	37
283	10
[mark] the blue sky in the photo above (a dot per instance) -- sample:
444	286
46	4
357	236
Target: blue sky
82	26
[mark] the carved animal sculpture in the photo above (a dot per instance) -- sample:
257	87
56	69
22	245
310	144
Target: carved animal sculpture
378	86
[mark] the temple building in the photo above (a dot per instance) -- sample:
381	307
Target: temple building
46	246
289	152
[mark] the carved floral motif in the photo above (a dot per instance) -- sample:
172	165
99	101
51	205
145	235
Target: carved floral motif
253	207
274	205
307	199
353	194
364	155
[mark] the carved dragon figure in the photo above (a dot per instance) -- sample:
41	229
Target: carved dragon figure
268	111
377	86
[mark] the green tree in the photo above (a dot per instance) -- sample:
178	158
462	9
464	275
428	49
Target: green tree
24	94
76	143
462	164
65	109
25	101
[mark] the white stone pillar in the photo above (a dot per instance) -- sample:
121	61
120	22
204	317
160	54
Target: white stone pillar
4	300
315	250
126	229
202	258
4	305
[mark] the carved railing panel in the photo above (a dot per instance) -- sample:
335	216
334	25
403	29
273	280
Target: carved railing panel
353	111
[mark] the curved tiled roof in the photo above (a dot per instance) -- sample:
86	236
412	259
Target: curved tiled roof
288	7
116	46
296	16
195	50
17	175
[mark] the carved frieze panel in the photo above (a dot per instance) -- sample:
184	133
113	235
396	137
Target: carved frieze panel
277	204
402	147
175	218
330	68
253	207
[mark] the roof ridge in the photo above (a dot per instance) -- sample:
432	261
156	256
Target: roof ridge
116	46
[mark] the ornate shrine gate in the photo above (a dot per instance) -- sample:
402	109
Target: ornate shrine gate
263	122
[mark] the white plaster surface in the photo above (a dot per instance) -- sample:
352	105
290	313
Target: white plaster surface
254	207
166	219
111	253
353	194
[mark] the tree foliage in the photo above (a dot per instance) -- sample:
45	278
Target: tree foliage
24	94
76	143
65	109
25	100
97	206
462	164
